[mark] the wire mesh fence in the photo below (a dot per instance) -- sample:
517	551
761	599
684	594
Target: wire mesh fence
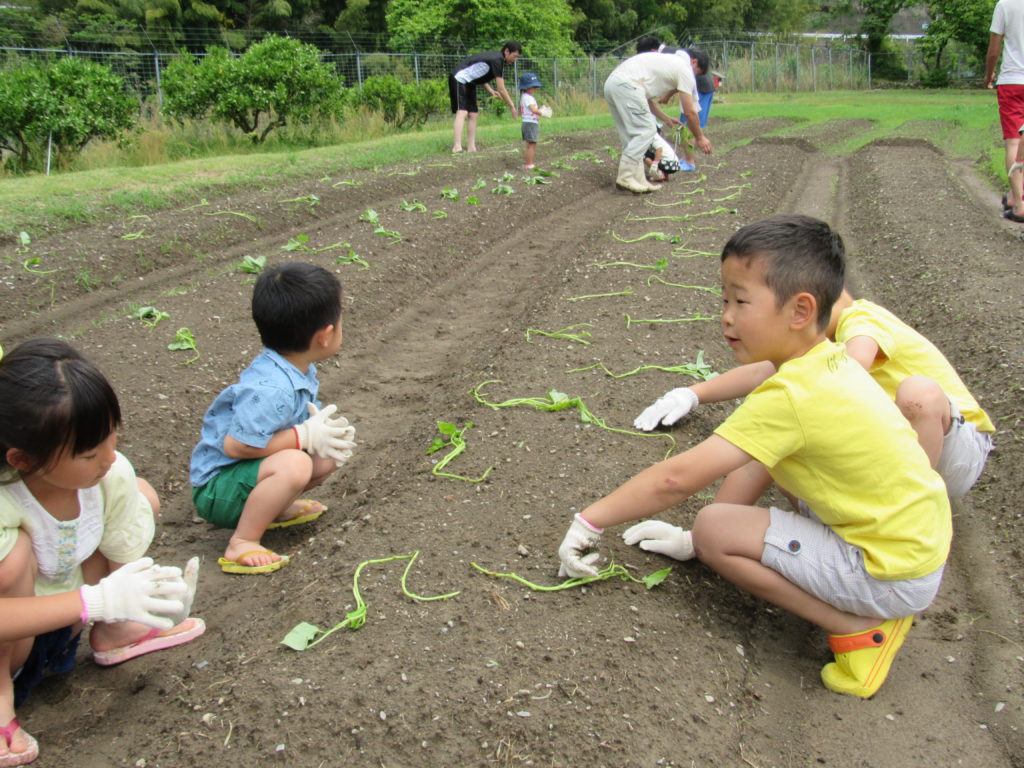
746	66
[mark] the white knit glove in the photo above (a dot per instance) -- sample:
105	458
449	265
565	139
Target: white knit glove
545	111
667	409
191	578
322	436
578	550
139	591
663	538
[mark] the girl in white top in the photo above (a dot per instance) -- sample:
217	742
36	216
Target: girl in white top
71	513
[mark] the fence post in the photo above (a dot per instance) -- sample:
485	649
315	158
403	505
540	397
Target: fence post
593	74
778	76
814	70
831	82
554	76
753	84
359	69
416	66
159	90
869	70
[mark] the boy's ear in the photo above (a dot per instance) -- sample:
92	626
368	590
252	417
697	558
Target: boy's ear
323	336
804	311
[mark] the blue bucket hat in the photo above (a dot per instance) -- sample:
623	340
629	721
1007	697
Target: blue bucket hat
529	80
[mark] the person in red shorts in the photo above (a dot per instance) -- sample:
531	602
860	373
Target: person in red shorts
1007	38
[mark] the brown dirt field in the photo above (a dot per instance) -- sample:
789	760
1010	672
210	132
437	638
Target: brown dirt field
692	673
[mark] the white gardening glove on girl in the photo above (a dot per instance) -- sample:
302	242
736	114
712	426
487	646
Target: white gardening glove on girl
322	436
139	591
578	550
667	409
660	537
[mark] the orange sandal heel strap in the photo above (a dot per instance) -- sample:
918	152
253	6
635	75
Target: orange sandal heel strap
863	659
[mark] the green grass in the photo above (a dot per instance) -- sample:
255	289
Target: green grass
963	123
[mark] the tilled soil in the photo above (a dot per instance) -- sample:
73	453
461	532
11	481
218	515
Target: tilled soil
691	673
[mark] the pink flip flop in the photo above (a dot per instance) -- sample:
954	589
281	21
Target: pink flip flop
24	757
153	641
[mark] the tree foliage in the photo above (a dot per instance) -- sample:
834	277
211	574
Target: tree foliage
277	80
69	102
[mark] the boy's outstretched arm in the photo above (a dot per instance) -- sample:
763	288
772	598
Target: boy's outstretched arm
676	403
654	490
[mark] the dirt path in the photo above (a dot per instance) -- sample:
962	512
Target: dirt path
689	674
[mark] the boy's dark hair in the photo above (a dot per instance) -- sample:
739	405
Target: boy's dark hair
702	58
512	46
800	254
52	402
293	301
647	43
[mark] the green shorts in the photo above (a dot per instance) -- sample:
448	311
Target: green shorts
221	500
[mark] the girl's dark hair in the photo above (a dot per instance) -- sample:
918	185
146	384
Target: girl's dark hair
293	301
52	401
512	46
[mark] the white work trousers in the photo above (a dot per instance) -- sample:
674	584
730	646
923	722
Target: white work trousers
632	115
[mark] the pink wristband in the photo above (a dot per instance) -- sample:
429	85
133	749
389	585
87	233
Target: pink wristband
84	615
588	524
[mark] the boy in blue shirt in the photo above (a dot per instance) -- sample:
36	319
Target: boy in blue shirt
866	547
264	439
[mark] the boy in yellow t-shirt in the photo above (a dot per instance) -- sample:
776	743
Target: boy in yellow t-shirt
868	547
950	425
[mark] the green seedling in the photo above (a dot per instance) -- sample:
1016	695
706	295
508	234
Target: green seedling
450	193
311	200
658	266
697	317
351	258
563	165
683	252
150	316
745	174
183	339
439	214
140	235
698	369
545	174
559	401
347	183
24	241
302	635
706	288
684	201
472	200
452	437
414	206
31	265
506	177
370	216
535	180
203	202
480	184
414	172
563	333
627	292
247	216
610	571
253	265
653	235
393	234
298	243
583	156
502	189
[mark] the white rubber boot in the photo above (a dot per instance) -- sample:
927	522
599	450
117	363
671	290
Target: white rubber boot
631	176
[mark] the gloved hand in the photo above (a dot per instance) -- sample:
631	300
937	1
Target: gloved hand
348	433
191	579
578	549
139	591
667	409
660	537
545	111
322	436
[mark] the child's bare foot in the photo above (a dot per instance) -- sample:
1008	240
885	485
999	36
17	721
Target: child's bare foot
250	553
300	508
15	743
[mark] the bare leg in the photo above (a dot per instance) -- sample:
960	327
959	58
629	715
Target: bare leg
531	148
730	539
460	120
471	131
926	407
1016	197
17	574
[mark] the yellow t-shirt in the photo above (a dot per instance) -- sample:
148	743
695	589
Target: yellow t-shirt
907	353
829	435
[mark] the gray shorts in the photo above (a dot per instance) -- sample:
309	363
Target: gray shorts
815	558
964	453
531	132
